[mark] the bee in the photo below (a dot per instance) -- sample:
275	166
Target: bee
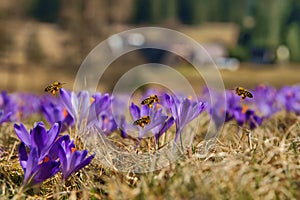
142	121
54	87
150	100
243	92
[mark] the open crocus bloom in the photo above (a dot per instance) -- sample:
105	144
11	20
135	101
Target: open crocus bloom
183	111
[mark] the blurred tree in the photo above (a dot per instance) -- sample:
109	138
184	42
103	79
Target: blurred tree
293	41
169	10
45	10
291	32
142	11
185	11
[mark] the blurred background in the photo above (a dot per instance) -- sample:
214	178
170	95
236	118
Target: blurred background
251	41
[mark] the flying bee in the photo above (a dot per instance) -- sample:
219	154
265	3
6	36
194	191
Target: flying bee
150	100
243	92
54	87
142	121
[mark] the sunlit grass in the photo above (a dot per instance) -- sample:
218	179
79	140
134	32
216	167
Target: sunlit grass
231	170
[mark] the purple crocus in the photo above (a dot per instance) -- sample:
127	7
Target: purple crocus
87	109
265	100
105	124
183	111
104	120
8	108
77	105
38	165
156	116
289	98
246	117
55	112
27	104
39	137
45	148
162	128
36	170
71	159
4	117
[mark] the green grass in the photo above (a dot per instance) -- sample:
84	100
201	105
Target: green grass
231	170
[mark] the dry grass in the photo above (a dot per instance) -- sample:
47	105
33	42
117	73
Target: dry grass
231	170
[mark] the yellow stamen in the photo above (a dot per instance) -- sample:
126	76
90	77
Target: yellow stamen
65	112
92	99
244	109
46	159
73	149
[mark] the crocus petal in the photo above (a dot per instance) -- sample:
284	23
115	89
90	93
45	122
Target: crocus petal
22	134
32	162
23	156
53	152
135	111
82	164
164	128
63	159
52	134
68	101
84	104
144	110
102	102
172	105
185	112
39	137
45	171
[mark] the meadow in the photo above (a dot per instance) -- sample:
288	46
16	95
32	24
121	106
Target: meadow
255	156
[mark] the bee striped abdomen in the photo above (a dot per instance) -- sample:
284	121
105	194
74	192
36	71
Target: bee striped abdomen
243	92
143	121
150	100
54	87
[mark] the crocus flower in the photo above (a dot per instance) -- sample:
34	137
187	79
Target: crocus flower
71	159
45	148
27	104
104	120
183	111
289	98
246	117
77	105
156	117
55	112
38	165
4	117
162	128
105	124
36	170
8	108
39	137
265	100
84	107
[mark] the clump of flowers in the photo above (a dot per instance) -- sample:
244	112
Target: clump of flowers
43	153
8	108
183	111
